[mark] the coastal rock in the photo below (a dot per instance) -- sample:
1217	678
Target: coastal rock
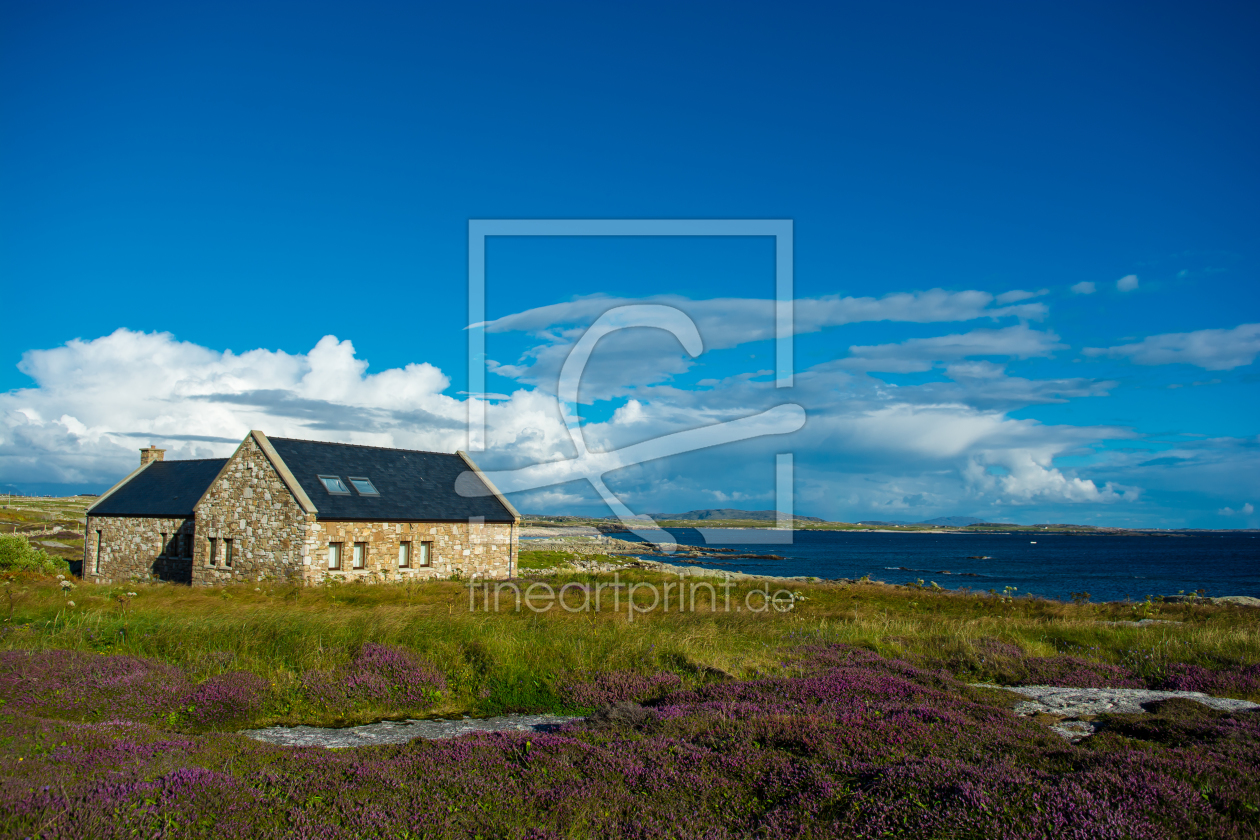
400	732
1070	710
1074	702
1236	600
1145	622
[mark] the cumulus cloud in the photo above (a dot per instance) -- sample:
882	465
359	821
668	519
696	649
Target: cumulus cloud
1085	287
96	401
1127	283
864	444
1246	510
1208	349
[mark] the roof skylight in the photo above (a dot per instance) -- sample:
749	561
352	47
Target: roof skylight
364	486
334	484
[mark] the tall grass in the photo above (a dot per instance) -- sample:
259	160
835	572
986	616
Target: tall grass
508	661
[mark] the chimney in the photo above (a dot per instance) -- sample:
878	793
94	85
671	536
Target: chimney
150	453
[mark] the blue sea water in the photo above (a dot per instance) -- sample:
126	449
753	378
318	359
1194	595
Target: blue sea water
1109	568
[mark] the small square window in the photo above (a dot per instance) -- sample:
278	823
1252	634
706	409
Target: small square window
334	484
364	486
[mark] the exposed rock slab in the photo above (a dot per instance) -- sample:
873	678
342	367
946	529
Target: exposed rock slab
400	732
1236	600
1144	622
1074	702
1072	708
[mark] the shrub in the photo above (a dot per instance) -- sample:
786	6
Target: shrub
18	555
227	698
1237	681
601	689
69	684
1074	672
379	675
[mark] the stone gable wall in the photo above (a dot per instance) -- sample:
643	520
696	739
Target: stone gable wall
487	550
131	549
251	505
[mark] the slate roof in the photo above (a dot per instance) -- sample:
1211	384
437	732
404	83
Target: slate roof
164	488
413	486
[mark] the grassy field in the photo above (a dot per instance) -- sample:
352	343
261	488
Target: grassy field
850	714
512	661
53	524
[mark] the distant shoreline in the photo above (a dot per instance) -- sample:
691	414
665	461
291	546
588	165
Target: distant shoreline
711	525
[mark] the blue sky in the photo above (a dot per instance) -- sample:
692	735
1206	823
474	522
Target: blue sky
255	178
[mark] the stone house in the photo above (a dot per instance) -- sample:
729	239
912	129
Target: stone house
302	511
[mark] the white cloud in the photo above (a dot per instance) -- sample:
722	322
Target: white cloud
95	402
918	354
729	322
1016	295
1127	283
1246	510
1208	349
1084	287
630	359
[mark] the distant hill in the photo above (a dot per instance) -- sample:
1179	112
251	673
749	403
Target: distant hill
728	513
943	521
954	521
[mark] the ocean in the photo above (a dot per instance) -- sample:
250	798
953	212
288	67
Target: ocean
1109	568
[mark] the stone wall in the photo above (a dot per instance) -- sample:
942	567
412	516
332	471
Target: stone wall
132	549
487	550
250	505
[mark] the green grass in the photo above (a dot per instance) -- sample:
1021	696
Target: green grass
35	517
550	560
509	661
